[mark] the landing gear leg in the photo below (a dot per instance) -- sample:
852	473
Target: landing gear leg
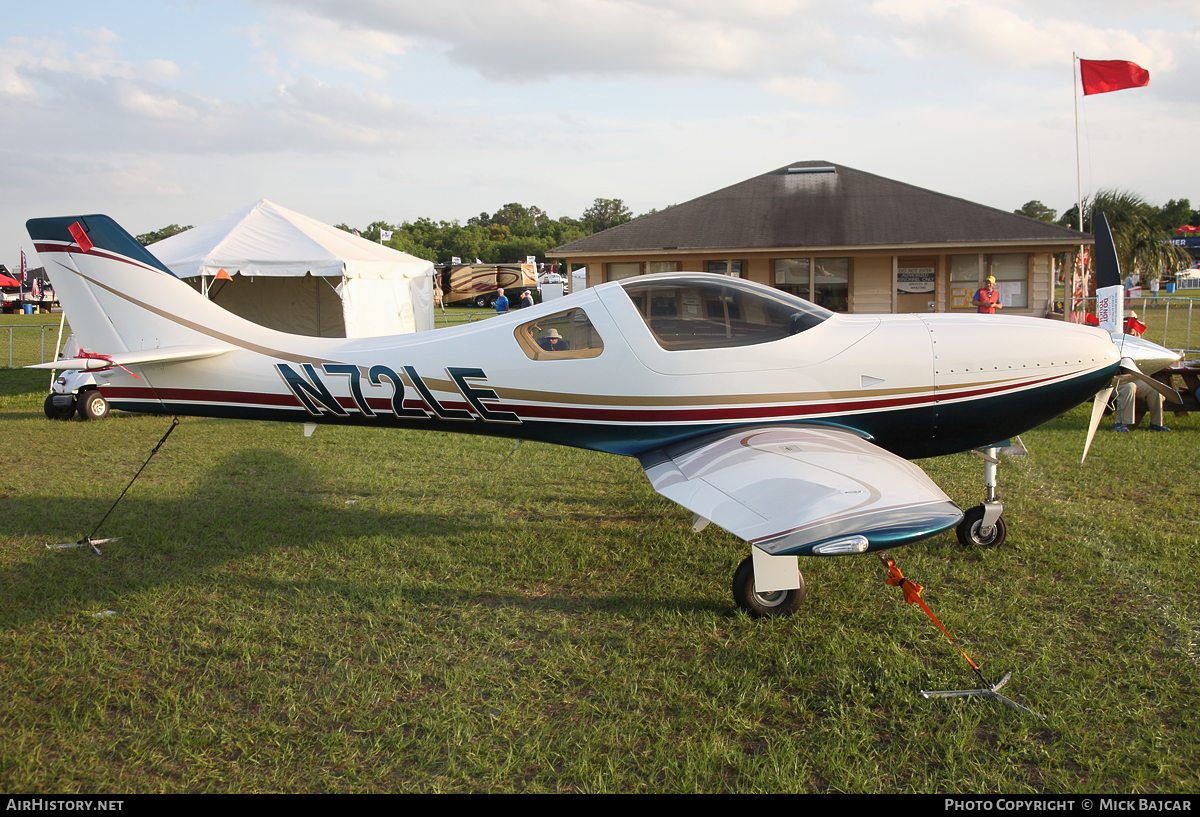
983	526
782	586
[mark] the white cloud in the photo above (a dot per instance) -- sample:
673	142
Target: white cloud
531	40
1003	34
326	42
129	106
807	90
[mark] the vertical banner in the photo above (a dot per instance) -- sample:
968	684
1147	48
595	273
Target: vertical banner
1109	307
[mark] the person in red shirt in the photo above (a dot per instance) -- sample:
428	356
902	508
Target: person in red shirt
987	300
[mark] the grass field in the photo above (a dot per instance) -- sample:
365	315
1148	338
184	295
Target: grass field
405	611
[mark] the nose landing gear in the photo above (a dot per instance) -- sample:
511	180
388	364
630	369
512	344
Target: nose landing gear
983	526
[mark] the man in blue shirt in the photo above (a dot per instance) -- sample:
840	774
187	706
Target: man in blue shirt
501	302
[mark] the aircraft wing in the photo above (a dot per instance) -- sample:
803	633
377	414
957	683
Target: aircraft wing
165	354
803	490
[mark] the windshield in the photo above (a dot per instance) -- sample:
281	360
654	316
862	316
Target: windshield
705	311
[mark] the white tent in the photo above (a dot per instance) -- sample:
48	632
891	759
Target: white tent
282	265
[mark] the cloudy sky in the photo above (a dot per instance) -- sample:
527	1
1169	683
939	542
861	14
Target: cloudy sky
180	111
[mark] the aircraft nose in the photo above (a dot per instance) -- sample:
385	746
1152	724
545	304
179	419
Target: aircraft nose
1016	349
998	376
1149	356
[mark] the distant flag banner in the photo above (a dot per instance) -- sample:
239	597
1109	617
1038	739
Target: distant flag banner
385	235
37	289
1079	278
22	266
1102	76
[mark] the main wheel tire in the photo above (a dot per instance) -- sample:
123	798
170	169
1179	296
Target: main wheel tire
92	405
968	530
56	412
777	603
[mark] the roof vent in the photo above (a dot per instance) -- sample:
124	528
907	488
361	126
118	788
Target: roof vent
822	169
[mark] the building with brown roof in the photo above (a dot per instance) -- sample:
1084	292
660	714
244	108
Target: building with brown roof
842	238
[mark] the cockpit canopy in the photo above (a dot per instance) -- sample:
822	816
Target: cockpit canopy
704	311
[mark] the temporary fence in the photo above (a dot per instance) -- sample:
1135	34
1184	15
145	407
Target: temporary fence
1169	320
30	343
27	344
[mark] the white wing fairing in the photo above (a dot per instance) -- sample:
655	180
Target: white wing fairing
803	490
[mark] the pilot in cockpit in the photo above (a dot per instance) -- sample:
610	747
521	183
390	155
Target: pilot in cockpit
553	342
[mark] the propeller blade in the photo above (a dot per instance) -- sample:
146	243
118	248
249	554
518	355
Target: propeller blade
1130	369
1097	413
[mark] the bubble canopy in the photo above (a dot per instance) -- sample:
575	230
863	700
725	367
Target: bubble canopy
706	311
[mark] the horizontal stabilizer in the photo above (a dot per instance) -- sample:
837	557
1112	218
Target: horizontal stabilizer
166	354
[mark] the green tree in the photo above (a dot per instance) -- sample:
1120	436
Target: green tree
1144	249
158	235
1035	209
605	213
1175	214
1070	218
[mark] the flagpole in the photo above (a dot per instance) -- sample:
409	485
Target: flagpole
1078	185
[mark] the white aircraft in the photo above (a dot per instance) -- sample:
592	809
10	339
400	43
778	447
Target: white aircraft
783	423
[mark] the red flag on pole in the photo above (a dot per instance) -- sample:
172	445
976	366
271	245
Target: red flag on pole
1102	76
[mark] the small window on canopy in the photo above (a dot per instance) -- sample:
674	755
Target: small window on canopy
562	336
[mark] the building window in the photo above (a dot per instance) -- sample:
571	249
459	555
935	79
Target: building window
964	280
620	270
658	266
793	275
730	268
831	284
1011	271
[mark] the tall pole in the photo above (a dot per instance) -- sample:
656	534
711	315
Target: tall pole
1078	190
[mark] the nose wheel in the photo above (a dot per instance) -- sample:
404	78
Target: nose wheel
983	526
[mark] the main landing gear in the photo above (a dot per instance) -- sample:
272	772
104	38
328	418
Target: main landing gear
760	605
983	525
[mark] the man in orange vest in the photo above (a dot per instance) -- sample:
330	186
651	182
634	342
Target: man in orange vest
987	300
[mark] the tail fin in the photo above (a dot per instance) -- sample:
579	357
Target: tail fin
93	263
119	298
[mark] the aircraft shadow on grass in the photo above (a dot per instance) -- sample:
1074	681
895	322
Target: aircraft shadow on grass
180	541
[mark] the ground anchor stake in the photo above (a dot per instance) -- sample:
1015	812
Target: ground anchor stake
912	595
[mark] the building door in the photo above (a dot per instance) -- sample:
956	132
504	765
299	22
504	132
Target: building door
916	284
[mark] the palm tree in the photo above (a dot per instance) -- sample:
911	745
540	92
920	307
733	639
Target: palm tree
1144	248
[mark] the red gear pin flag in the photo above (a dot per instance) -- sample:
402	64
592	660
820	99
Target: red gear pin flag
1102	76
